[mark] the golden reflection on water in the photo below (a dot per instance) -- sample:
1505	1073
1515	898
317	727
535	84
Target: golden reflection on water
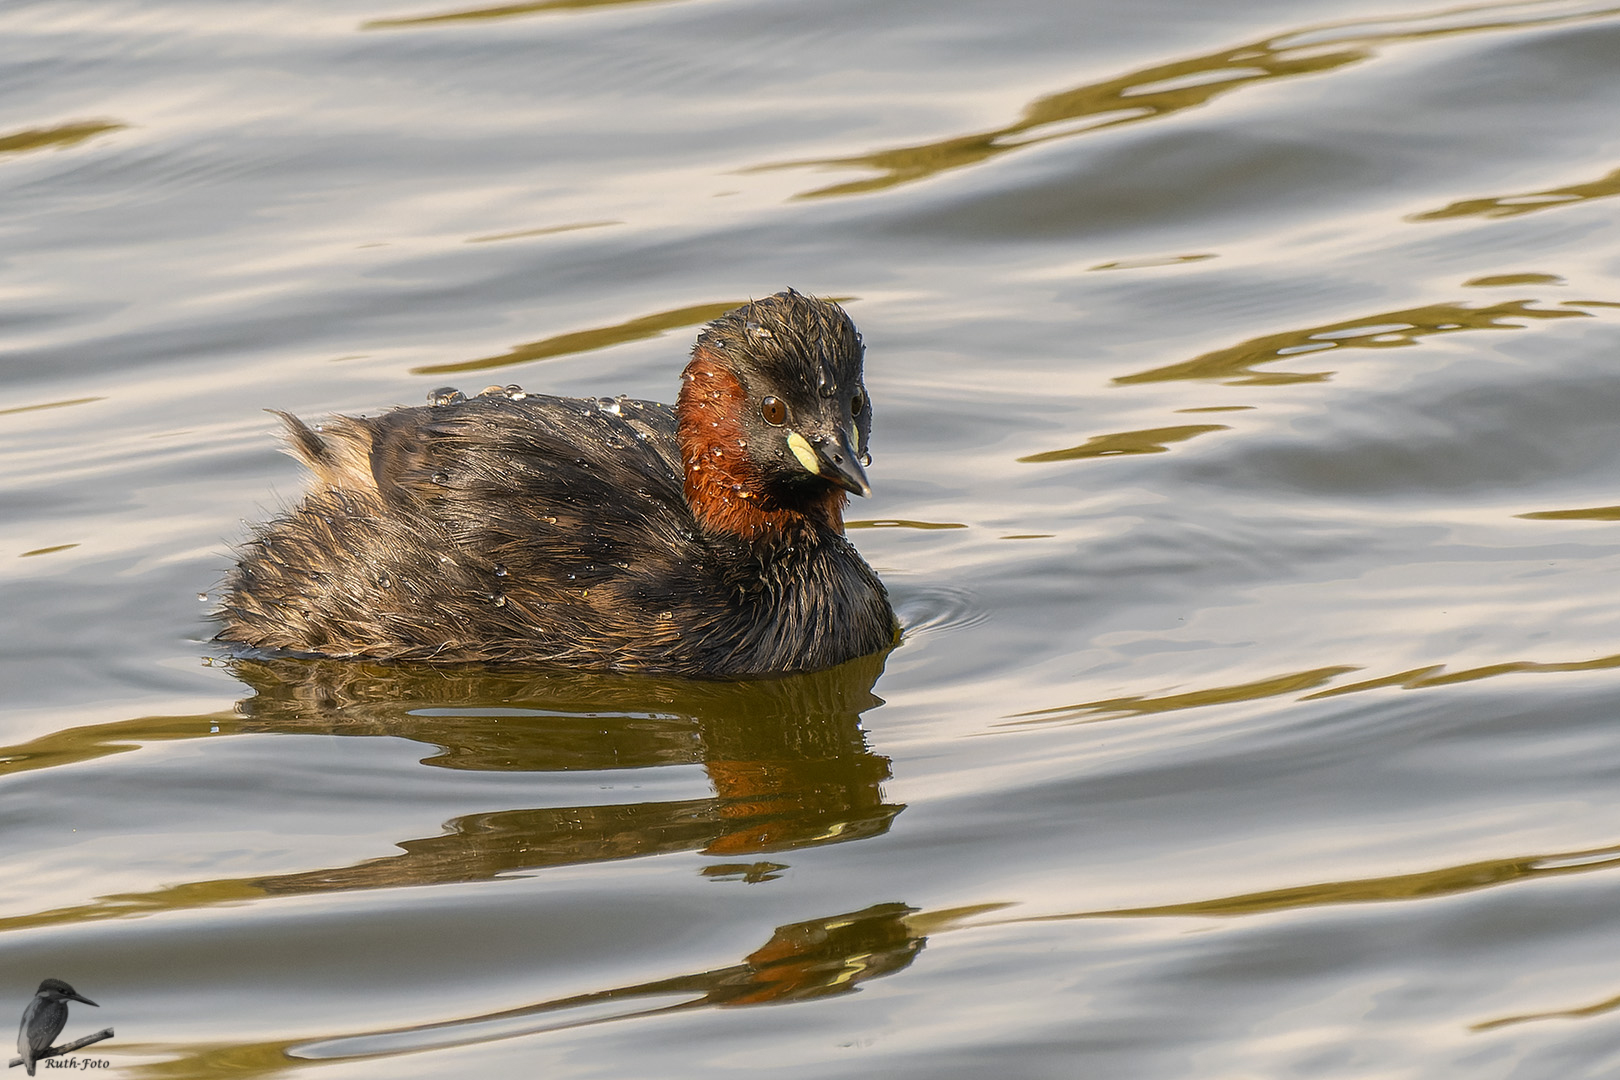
1526	202
499	11
1591	513
1421	678
1149	441
210	1060
1578	1013
1167	89
1493	280
1436	674
52	550
1425	885
1149	261
19	142
74	745
903	523
1112	708
580	341
787	760
49	405
1383	330
551	230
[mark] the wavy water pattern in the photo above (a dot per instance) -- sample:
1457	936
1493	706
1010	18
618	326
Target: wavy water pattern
1163	90
1233	702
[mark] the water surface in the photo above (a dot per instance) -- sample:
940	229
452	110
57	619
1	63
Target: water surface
1245	385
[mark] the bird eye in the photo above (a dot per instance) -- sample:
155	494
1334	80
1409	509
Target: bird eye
774	412
857	403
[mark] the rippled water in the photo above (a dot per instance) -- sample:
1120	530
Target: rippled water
1245	378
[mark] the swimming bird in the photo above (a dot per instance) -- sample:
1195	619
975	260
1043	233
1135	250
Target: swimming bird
44	1019
703	540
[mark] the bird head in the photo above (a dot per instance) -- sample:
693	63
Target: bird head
774	404
57	990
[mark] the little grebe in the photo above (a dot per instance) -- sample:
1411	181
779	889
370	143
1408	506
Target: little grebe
607	533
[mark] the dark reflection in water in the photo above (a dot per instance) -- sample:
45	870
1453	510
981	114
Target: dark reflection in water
787	759
1166	89
1381	330
1525	202
802	961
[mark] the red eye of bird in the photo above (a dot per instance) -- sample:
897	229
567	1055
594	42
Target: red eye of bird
774	412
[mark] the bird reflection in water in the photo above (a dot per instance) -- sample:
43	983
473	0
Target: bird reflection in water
789	767
786	757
